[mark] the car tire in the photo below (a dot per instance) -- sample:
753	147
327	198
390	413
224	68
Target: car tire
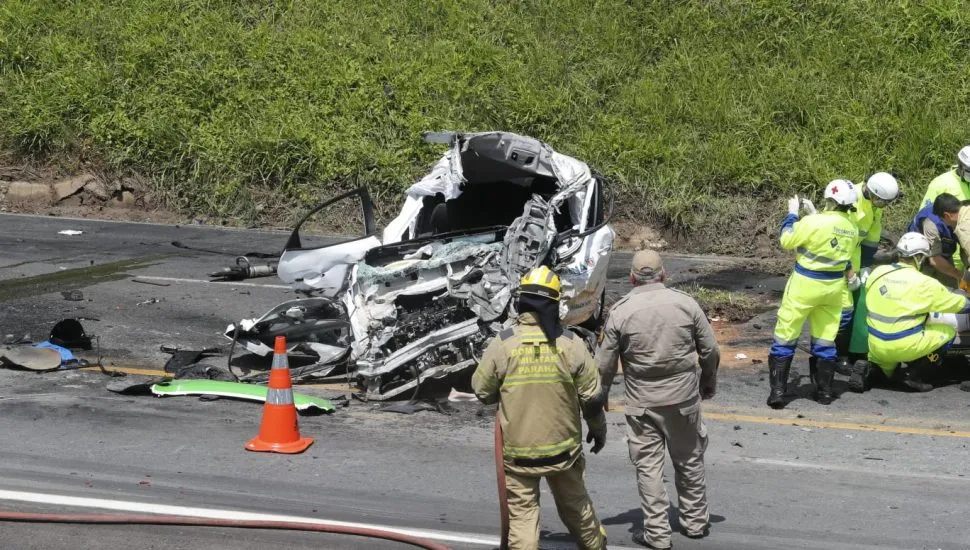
595	322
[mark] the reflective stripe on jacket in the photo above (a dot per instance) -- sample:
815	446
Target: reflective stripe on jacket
899	298
539	388
823	243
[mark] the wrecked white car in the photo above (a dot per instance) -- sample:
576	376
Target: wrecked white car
422	301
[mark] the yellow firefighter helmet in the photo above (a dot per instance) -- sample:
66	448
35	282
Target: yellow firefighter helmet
541	281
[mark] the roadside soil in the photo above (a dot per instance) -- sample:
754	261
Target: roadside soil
83	195
742	349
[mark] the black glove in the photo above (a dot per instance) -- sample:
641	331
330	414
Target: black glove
597	433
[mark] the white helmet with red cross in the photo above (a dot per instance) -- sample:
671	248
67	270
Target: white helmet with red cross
843	192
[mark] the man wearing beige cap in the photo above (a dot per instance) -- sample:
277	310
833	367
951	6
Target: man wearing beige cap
670	360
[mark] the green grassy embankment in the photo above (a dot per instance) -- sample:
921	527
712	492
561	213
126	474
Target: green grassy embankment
707	113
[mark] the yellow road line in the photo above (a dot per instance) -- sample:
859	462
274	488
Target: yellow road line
730	417
132	370
713	412
710	415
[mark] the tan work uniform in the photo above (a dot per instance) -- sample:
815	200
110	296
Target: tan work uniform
665	341
962	229
540	389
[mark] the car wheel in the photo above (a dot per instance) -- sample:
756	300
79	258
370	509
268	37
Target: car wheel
595	322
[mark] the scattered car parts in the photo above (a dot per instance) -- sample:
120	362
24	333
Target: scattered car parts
70	334
53	354
31	358
305	404
244	269
316	326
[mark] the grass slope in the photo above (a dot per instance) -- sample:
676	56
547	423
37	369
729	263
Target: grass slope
705	112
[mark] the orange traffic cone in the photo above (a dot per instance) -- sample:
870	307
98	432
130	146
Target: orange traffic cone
279	432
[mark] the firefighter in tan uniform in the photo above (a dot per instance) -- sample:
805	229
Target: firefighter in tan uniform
542	376
670	360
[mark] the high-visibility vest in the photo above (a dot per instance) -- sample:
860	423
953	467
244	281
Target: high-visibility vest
823	243
899	299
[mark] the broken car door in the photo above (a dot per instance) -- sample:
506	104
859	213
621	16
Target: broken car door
583	258
325	267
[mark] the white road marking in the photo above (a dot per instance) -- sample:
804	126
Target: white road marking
203	281
212	513
853	469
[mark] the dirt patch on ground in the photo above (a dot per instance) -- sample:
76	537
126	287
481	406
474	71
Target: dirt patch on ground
779	265
84	195
742	349
736	289
104	213
733	225
731	307
741	345
634	236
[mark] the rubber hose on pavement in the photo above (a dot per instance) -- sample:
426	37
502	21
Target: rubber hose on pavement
147	519
503	503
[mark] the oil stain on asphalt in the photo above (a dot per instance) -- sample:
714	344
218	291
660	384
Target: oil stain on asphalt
72	279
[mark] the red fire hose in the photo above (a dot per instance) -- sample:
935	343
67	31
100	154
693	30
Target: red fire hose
147	519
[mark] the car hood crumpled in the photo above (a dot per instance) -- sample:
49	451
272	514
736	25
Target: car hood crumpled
463	270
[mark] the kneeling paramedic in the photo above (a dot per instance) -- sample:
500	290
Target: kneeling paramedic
879	191
542	376
900	300
823	244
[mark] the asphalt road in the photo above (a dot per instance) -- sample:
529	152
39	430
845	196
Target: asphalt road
880	470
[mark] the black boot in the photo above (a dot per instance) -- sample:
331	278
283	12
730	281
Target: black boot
843	365
909	375
859	379
824	375
778	368
932	372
